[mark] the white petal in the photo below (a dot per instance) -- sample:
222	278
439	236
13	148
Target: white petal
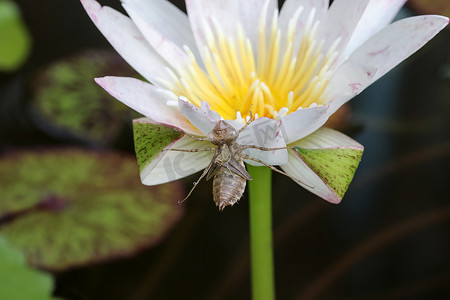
264	132
228	14
147	100
378	14
128	41
327	138
324	138
349	80
340	22
172	165
396	42
203	118
380	54
165	27
300	123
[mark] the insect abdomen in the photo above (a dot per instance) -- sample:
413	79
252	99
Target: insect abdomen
228	188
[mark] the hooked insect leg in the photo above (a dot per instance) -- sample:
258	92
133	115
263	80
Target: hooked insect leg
245	156
247	123
205	171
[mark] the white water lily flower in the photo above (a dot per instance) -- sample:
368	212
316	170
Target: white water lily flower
293	68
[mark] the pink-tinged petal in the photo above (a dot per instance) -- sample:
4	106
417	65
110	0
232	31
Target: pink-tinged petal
264	132
340	22
203	118
128	41
324	163
165	27
349	80
300	123
378	14
172	165
229	15
396	42
147	100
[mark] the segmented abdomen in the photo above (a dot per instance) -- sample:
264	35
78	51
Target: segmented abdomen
228	187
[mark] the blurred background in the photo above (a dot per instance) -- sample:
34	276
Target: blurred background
71	201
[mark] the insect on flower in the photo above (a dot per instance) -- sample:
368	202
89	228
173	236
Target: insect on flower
294	65
227	165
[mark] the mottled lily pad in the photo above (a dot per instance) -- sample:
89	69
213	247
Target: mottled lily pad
17	280
71	207
66	102
14	37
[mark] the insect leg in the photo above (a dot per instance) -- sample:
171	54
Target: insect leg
245	156
263	148
192	150
205	171
247	123
195	137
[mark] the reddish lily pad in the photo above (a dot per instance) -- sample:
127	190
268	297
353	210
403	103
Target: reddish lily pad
67	101
72	207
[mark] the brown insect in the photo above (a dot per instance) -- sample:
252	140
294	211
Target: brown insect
227	165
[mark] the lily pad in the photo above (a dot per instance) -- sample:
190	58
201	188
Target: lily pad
66	102
15	40
70	207
18	280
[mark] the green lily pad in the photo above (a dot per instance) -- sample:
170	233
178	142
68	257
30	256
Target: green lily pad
18	280
71	207
15	40
150	139
67	101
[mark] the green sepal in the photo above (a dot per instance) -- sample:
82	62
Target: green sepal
335	166
15	40
18	280
150	139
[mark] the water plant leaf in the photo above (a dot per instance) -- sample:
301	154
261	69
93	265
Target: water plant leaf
71	207
18	280
15	40
66	98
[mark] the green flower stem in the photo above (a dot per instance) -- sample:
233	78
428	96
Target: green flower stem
261	248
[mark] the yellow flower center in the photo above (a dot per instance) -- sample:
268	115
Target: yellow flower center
281	78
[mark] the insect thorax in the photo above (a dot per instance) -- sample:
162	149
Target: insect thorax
224	154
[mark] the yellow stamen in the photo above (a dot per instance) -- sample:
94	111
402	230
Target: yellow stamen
276	75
